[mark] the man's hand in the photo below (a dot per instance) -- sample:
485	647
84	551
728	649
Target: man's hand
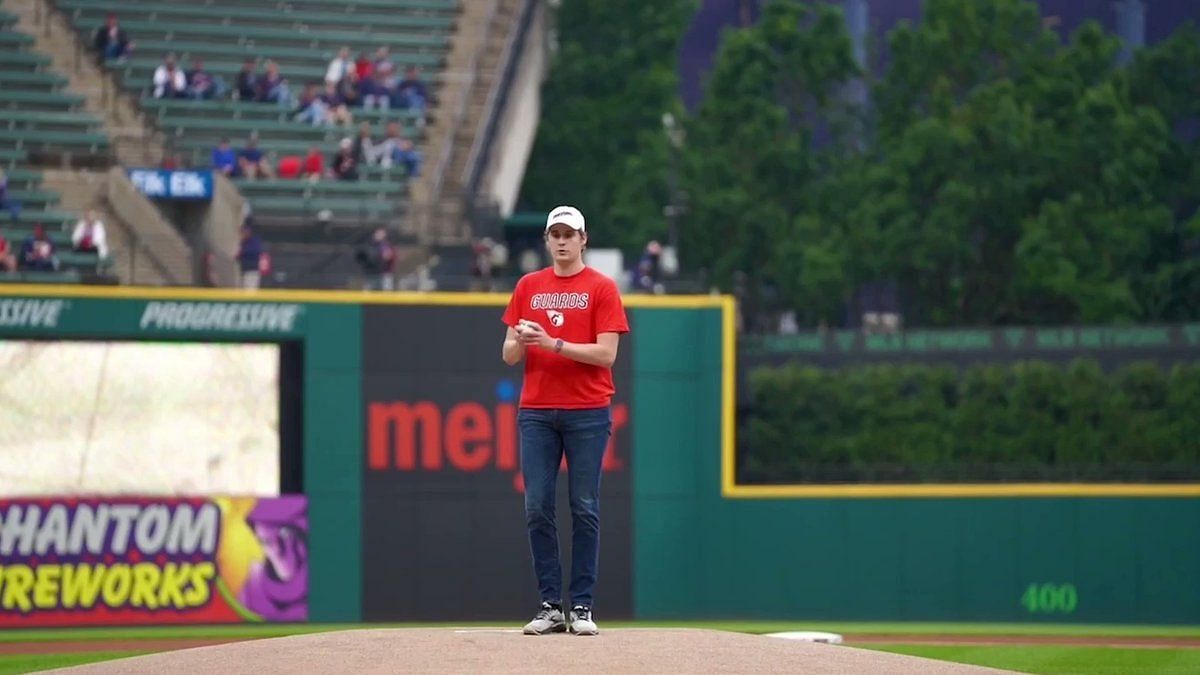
513	350
533	335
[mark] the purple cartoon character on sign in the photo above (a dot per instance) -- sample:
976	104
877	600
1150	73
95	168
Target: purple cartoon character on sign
277	586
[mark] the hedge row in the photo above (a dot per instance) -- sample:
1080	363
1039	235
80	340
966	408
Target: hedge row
1028	421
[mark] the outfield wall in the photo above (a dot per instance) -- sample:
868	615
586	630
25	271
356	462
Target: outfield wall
409	465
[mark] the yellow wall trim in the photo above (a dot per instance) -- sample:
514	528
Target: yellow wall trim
319	296
875	490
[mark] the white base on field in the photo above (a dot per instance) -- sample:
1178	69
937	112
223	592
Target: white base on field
809	636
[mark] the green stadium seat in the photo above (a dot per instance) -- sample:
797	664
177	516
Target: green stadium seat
23	178
17	61
62	277
167	109
33	119
416	7
40	100
50	219
201	147
152	51
10	156
32	138
9	40
239	34
325	188
248	16
33	198
342	207
266	129
81	260
15	235
29	80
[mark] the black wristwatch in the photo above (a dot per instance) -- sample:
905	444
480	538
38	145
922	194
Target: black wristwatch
558	344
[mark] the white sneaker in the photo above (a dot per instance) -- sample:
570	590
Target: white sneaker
549	619
581	621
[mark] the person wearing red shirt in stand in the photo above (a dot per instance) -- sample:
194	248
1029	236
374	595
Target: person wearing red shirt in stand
314	164
8	262
565	322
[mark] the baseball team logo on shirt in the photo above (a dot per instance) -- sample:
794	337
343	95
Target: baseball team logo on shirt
560	301
556	318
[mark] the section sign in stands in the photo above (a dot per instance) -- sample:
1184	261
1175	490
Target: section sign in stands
69	561
163	184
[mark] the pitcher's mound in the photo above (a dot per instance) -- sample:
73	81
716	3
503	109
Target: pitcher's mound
467	650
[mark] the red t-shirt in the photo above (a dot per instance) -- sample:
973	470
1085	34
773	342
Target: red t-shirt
314	164
577	309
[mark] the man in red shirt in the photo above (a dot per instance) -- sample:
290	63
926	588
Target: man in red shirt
564	321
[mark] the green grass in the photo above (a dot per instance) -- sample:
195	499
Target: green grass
274	630
1060	660
24	663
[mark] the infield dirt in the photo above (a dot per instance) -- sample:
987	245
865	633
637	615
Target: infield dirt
448	650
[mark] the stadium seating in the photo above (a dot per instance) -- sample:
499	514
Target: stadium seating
36	117
301	36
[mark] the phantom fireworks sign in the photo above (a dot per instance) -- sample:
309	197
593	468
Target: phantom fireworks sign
113	561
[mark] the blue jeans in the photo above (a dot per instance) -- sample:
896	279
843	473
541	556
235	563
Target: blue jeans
545	436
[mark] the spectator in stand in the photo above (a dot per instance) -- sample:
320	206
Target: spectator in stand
412	95
251	258
378	260
339	112
645	275
251	161
386	149
89	235
273	88
349	90
289	167
172	161
343	166
314	165
37	253
363	66
406	155
374	93
202	85
8	262
339	66
7	201
169	80
385	70
481	264
111	42
246	85
311	108
224	159
365	150
396	149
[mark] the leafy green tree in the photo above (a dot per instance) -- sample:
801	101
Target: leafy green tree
749	157
599	144
1166	78
1012	179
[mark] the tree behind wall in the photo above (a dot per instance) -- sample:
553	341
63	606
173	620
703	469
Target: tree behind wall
600	144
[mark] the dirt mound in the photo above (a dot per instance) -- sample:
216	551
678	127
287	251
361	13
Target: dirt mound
448	650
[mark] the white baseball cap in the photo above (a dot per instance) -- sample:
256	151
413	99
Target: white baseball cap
566	215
